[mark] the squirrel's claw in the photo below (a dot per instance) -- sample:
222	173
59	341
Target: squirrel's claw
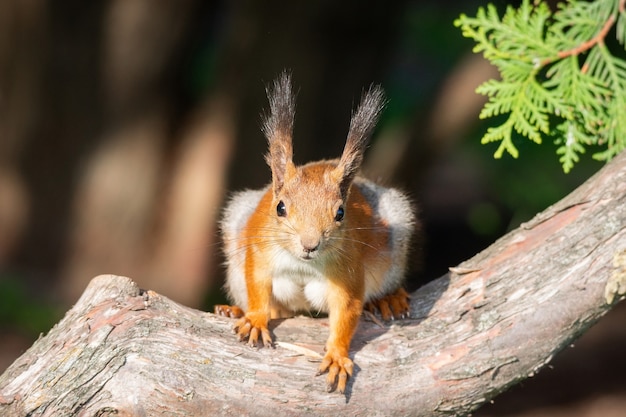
339	369
225	310
392	306
266	339
247	329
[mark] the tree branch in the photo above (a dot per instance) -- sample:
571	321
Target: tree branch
491	322
585	46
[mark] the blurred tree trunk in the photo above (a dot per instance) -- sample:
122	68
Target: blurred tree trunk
113	160
491	322
105	165
135	194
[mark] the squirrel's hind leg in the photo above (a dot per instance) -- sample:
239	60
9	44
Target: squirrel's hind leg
226	310
277	311
391	306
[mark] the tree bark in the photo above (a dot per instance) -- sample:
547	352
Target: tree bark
489	323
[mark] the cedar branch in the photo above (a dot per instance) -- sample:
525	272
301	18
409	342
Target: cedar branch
585	46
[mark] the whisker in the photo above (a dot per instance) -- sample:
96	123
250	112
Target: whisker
343	254
354	240
382	227
239	252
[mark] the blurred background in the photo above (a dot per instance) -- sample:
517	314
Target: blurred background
124	125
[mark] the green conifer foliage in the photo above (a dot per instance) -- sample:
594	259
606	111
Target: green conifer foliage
558	78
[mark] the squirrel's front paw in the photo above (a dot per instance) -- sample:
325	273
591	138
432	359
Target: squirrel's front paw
339	368
252	326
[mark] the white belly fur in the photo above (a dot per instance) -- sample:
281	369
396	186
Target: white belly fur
298	285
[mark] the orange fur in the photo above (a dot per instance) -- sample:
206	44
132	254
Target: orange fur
318	238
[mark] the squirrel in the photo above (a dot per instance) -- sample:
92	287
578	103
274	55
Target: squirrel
318	238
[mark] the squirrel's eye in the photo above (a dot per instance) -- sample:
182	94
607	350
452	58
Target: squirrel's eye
340	214
281	210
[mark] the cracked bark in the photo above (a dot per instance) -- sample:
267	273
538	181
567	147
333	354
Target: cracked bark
489	323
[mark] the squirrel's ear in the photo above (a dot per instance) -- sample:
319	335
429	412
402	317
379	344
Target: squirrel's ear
362	124
278	128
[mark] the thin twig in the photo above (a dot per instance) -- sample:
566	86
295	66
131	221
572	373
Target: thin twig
585	46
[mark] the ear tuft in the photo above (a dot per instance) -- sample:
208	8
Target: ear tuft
278	129
362	124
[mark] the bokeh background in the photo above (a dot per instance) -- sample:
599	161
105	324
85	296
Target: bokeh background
124	124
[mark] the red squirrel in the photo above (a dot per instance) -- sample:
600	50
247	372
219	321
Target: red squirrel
319	238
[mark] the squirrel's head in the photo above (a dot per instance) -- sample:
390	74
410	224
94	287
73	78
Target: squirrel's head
310	201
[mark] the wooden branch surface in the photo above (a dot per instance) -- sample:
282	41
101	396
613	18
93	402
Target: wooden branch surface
488	324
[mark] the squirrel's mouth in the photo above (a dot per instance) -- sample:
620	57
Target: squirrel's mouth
308	256
309	252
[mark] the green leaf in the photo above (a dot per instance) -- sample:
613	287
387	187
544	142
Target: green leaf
554	69
571	144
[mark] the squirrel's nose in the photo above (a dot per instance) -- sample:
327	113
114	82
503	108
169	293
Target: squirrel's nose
309	244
